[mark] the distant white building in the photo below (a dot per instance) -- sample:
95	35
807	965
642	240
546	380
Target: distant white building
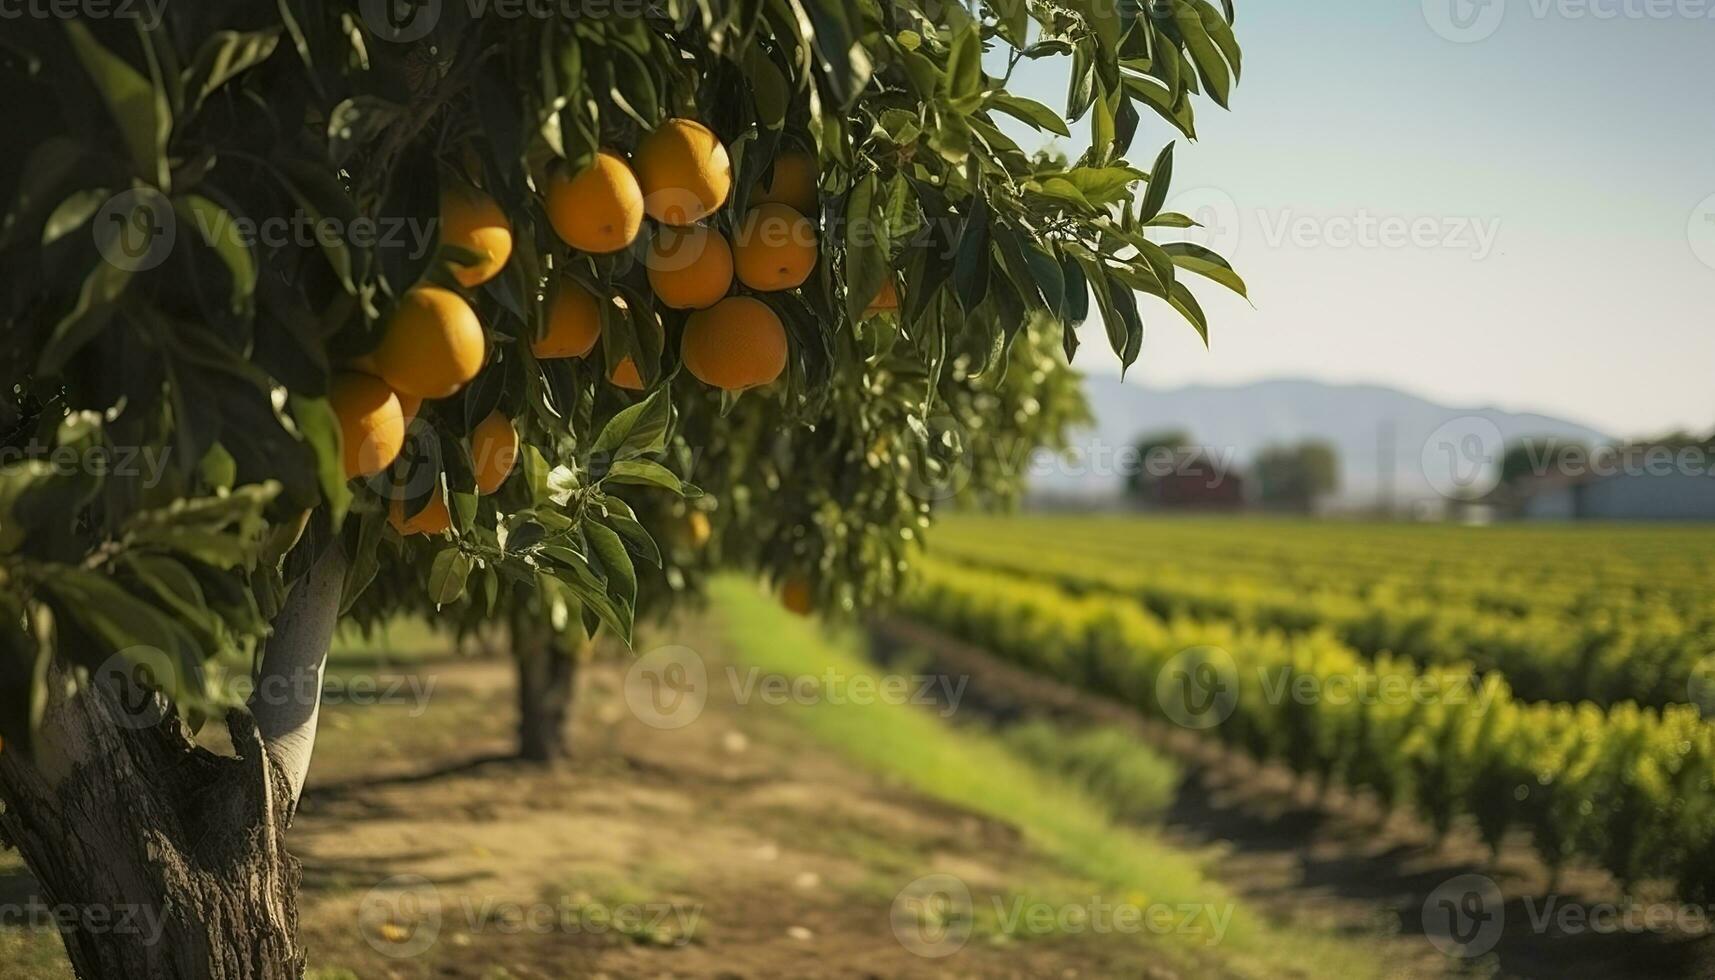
1633	493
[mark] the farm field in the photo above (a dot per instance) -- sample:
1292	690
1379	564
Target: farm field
1517	681
760	838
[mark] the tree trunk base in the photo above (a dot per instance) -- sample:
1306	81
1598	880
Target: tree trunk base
158	860
547	688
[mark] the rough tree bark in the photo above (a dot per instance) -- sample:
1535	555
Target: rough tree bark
159	859
547	688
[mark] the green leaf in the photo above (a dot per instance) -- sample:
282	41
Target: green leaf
637	430
1103	186
1177	112
1012	20
321	196
866	260
768	87
141	111
96	303
120	624
447	575
1220	30
73	213
1171	219
1205	54
971	265
607	548
1208	264
644	472
355	122
1077	292
964	79
223	56
1050	279
320	427
365	557
621	518
1190	309
1122	302
23	678
1029	112
219	231
575	572
179	593
1064	190
226	531
1160	179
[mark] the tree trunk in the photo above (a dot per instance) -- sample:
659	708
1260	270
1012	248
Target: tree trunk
159	859
547	687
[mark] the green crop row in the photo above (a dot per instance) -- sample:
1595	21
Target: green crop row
1521	571
1648	654
1630	789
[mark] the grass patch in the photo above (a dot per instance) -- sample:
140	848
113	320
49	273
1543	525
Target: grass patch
1110	764
1057	818
405	641
625	908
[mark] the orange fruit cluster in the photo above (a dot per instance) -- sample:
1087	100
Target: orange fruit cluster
431	347
679	176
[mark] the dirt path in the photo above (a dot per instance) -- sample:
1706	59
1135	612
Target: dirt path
726	848
1338	862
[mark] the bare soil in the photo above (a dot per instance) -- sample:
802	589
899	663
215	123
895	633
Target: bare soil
736	849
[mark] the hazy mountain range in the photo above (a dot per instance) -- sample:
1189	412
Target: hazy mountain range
1239	420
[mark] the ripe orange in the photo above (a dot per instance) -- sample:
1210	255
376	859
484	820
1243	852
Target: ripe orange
472	220
409	406
697	523
601	209
794	184
886	299
432	519
797	596
685	172
736	344
574	323
493	451
371	425
689	268
433	345
625	375
775	248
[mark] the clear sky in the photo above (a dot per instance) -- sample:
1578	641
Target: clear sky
1523	218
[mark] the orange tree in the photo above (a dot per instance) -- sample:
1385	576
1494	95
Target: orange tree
333	308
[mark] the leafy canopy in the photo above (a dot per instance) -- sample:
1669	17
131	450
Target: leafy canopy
214	213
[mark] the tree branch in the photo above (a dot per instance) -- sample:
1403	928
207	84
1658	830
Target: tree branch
288	697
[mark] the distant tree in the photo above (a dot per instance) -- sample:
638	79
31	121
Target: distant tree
1153	450
1297	477
1539	456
